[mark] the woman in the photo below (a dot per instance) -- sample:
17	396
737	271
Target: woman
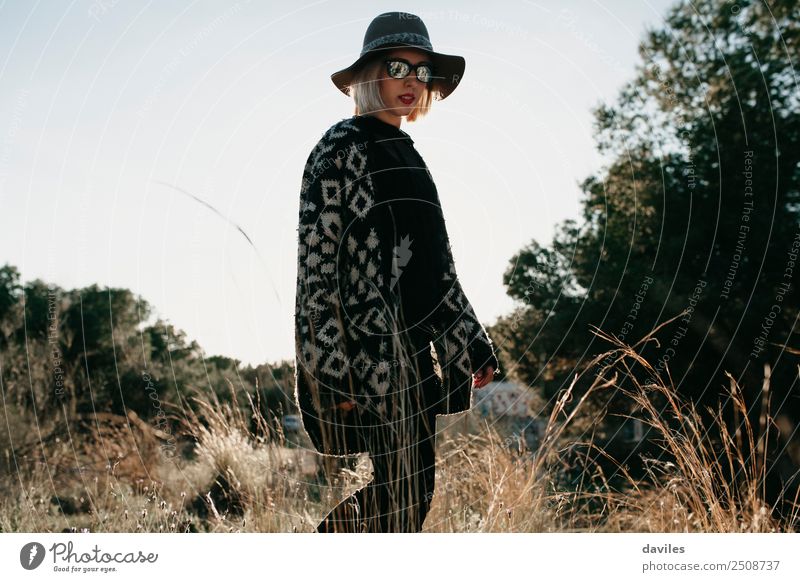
376	286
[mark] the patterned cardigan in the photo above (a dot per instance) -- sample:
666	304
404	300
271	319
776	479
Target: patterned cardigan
346	317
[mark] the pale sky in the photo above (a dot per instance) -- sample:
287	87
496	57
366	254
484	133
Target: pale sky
104	101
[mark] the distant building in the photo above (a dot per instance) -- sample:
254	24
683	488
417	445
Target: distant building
514	407
505	399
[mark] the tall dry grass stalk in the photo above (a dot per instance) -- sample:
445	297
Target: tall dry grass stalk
259	484
707	476
490	483
31	503
704	480
711	477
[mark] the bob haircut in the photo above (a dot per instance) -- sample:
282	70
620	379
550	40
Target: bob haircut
366	92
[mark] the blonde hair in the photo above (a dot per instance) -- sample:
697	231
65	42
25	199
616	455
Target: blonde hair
365	91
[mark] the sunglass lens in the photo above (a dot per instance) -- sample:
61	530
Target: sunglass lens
398	69
424	74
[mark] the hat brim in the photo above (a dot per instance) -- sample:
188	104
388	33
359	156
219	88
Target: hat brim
448	70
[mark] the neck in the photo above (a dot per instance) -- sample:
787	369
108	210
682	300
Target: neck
387	117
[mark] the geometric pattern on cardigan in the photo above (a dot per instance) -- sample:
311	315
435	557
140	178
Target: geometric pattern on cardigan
345	347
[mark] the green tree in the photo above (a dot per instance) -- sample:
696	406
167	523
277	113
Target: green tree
698	208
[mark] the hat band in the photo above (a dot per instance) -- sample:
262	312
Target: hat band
403	37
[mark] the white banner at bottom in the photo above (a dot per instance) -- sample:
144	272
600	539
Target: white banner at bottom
388	557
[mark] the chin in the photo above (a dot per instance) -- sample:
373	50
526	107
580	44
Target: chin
403	111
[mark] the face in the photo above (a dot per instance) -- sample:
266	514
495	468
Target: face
401	96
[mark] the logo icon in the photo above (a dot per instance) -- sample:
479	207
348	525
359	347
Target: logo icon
402	254
31	555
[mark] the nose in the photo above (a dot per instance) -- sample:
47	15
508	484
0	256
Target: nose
412	80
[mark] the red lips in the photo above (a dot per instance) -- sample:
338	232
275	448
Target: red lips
407	98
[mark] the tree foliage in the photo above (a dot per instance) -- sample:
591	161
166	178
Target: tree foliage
89	350
696	210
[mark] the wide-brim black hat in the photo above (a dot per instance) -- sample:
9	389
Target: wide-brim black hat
401	29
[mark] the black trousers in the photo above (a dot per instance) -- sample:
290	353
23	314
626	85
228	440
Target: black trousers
403	459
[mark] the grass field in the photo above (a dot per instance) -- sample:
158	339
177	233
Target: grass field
232	481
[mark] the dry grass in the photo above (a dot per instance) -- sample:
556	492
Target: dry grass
234	480
259	485
697	489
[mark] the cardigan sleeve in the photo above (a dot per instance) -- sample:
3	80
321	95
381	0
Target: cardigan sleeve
457	318
320	342
462	344
461	336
